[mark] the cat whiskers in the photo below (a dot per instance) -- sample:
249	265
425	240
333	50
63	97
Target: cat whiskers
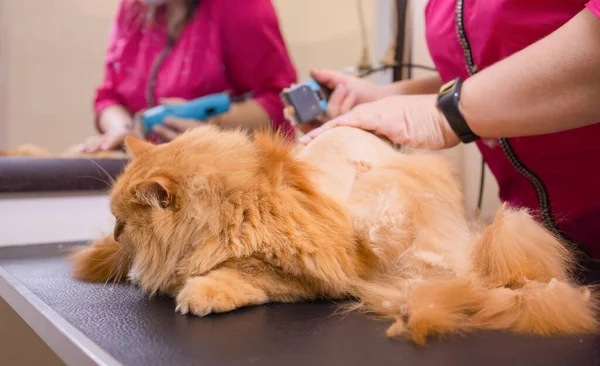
110	181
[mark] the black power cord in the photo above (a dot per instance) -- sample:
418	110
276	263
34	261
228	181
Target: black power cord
481	186
381	68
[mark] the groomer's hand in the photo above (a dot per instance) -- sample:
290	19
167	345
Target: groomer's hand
109	140
348	91
412	120
172	101
173	126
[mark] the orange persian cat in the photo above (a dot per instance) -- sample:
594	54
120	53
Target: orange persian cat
220	222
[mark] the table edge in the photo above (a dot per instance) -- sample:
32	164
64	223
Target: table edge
70	344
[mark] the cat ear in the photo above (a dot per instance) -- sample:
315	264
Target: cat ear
137	146
155	192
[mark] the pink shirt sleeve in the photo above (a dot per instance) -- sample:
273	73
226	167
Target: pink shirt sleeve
594	7
255	54
105	93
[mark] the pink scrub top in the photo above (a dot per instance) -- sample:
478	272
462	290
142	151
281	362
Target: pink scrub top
567	163
229	45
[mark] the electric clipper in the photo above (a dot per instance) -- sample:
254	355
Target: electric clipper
306	101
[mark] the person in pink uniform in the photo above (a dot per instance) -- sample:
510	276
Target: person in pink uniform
530	98
201	47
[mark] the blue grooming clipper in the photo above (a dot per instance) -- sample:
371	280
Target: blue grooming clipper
308	99
200	109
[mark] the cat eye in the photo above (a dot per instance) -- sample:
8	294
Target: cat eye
119	226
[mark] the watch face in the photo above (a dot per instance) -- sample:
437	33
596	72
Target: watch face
444	89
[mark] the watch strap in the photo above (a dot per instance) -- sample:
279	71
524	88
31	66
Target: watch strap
447	101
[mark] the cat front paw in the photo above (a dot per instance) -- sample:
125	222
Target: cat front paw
203	295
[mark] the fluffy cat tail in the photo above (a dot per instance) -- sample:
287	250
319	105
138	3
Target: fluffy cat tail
519	281
515	246
456	306
528	272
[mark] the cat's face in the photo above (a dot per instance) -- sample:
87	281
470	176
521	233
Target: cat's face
172	201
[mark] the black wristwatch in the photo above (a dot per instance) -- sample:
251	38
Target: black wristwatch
447	102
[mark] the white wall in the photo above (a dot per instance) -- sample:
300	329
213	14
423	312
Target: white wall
51	56
324	33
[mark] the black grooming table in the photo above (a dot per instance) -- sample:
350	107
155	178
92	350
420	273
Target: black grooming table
115	324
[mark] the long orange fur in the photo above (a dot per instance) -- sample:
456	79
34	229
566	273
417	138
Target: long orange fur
221	222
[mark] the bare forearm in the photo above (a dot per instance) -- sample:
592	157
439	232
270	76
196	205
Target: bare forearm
248	115
114	117
551	86
428	85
